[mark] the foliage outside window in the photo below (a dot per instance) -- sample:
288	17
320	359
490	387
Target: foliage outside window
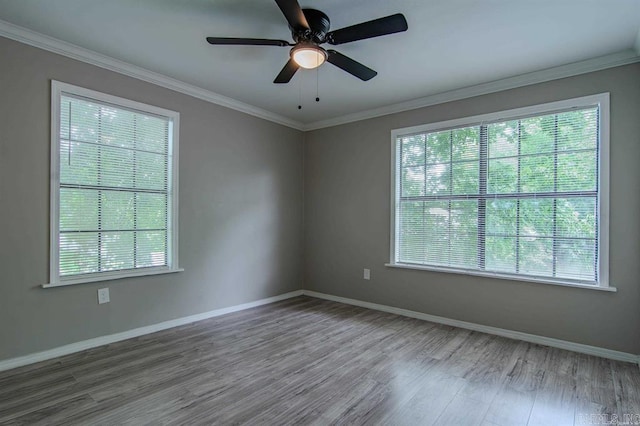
113	187
516	194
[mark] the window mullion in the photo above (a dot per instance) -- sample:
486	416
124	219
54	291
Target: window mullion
424	225
518	190
167	186
482	200
596	257
450	205
424	204
449	244
69	135
99	177
135	193
554	243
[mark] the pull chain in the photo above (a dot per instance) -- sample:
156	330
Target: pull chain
317	84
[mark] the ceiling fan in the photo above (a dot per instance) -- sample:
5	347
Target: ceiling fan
309	29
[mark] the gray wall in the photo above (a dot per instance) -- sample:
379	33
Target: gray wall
347	214
241	187
241	217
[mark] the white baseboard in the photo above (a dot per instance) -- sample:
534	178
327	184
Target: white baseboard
111	338
532	338
105	340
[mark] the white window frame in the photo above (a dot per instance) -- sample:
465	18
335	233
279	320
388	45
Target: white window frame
55	280
602	101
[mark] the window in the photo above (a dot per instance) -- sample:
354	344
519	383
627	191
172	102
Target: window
113	187
521	194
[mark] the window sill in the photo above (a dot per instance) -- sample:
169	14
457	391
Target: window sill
108	276
500	276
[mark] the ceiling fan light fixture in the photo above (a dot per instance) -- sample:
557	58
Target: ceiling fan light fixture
309	29
308	56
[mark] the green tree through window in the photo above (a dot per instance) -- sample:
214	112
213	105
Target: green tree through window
512	197
115	187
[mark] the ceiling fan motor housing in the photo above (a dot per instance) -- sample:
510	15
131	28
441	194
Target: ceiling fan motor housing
319	26
309	29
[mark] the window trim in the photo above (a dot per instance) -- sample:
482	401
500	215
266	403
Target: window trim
601	100
55	280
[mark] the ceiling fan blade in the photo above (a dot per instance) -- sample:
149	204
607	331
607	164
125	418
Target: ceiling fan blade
287	72
349	65
246	41
293	12
378	27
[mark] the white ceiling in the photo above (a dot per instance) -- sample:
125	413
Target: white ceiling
449	45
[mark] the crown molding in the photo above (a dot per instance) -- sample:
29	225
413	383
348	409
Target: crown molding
625	57
32	38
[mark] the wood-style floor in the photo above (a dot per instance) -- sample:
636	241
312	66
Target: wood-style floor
308	361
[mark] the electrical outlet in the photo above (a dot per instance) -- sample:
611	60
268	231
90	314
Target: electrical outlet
103	295
367	274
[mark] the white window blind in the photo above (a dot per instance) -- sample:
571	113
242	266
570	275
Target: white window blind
115	192
517	196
